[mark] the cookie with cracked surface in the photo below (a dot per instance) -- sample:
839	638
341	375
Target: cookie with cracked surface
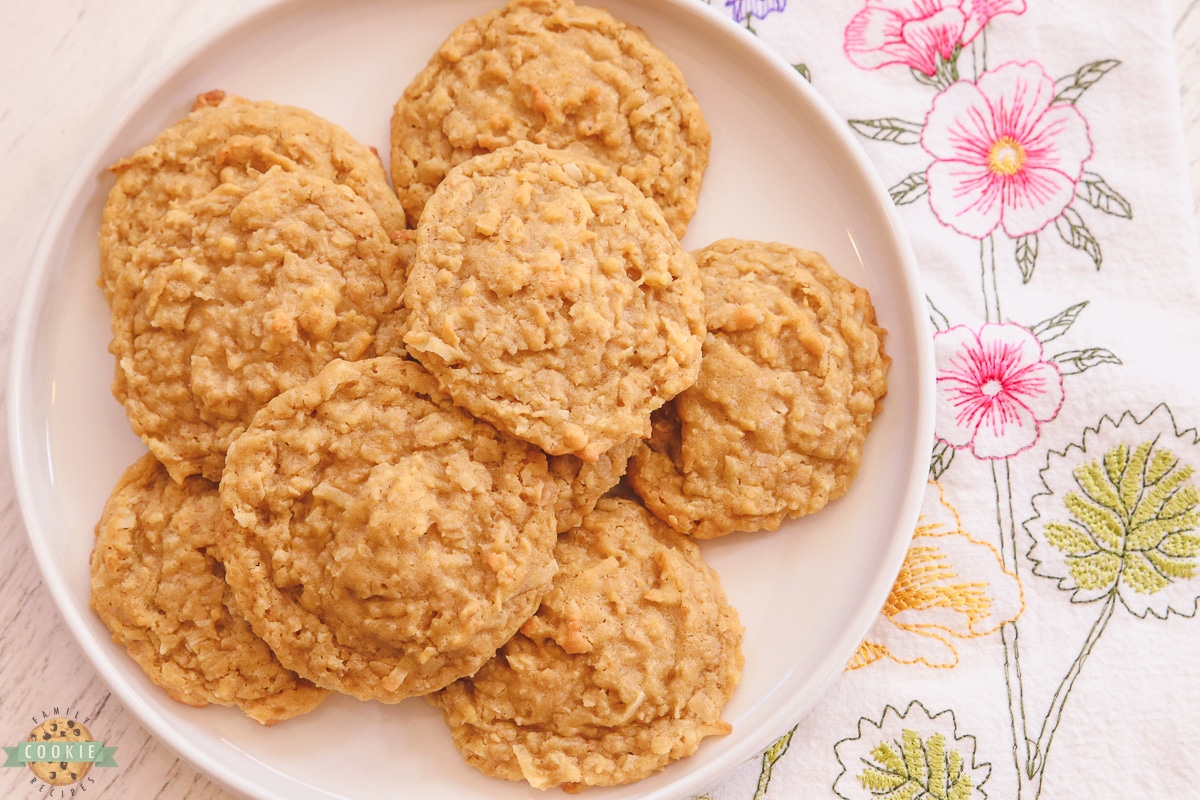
158	584
581	484
387	542
550	298
792	377
625	668
238	295
225	139
560	74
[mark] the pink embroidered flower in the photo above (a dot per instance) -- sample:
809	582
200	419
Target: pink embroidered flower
1004	153
741	9
993	389
915	32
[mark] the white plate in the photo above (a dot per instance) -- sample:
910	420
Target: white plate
784	167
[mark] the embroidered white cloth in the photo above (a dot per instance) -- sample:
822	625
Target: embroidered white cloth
1041	640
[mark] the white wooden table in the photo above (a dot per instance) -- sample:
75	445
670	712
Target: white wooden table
65	65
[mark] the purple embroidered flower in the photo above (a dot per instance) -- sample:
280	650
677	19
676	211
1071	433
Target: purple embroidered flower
994	389
741	9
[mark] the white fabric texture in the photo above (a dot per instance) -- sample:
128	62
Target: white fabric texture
1042	638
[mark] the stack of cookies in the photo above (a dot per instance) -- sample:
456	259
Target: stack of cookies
457	439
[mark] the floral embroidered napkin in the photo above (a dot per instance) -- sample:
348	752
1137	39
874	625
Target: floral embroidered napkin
1042	638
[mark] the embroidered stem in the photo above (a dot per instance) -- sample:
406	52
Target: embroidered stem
979	54
1022	746
1037	760
991	291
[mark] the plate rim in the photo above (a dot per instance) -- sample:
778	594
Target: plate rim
22	442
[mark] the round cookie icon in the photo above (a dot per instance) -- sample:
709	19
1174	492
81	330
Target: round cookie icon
60	773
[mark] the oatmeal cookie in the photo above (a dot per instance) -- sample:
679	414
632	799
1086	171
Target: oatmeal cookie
625	668
238	295
388	542
550	298
791	379
231	139
564	75
159	586
582	484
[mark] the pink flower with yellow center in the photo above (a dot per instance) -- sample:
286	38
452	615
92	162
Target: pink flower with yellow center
1005	154
916	32
994	389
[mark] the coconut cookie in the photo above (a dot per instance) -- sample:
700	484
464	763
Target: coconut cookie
792	376
388	542
549	296
158	585
581	484
231	139
564	75
238	295
625	668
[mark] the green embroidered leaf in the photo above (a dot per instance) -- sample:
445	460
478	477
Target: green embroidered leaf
1095	572
1131	479
1069	539
1181	545
939	462
936	756
1116	461
1026	253
909	190
889	129
879	782
960	781
928	80
1141	576
1150	535
961	790
1137	504
887	757
914	754
1177	569
1096	192
1165	495
1073	362
1096	482
1070	88
1164	461
1182	502
1074	231
770	756
803	70
915	768
1100	519
1050	329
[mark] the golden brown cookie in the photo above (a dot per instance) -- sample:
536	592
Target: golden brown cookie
792	377
581	484
388	542
231	139
625	668
550	298
238	295
159	586
564	75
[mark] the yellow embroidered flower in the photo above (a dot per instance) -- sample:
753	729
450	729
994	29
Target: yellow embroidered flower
951	586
